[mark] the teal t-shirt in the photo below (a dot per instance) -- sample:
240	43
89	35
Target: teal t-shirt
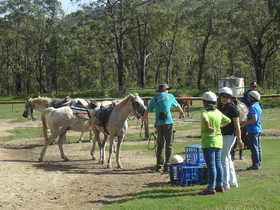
164	102
216	118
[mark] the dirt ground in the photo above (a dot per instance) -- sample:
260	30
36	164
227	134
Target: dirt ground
80	183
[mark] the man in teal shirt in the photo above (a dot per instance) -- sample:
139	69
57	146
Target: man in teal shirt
162	103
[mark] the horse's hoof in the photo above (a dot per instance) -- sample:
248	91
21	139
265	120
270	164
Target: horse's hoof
109	166
79	141
120	166
66	159
40	160
94	158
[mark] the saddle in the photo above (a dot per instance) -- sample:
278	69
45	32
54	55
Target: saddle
102	115
57	103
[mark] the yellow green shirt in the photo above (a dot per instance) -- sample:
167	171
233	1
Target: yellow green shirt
216	118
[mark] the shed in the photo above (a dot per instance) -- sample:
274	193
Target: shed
236	84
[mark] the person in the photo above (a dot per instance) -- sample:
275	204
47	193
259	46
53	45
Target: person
244	99
162	102
212	143
230	133
254	130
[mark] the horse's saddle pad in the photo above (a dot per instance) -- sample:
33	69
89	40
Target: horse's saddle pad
80	112
101	117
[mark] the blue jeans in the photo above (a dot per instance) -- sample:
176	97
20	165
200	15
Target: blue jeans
212	158
256	150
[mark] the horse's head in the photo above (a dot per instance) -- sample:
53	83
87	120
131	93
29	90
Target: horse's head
28	109
138	106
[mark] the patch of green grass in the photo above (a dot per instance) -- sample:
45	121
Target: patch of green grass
257	189
23	133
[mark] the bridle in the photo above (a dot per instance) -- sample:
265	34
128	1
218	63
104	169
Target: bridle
30	106
138	114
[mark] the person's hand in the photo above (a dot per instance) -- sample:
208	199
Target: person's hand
181	114
239	143
210	129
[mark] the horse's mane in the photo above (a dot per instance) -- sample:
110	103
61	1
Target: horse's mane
121	104
41	100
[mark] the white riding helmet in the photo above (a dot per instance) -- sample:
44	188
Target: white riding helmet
176	159
209	96
255	95
226	90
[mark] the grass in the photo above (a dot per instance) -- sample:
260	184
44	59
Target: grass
257	190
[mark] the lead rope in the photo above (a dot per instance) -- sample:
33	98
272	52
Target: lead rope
149	138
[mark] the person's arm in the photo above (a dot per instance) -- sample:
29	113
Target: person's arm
206	123
180	110
224	124
238	132
144	116
253	120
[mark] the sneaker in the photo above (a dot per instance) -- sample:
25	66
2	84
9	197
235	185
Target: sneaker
219	189
159	170
207	192
253	168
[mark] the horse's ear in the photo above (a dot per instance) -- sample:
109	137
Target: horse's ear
131	95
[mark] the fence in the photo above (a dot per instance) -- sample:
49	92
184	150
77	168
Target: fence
146	101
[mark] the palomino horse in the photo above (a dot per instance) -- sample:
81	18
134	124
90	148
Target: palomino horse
60	120
116	126
184	103
41	103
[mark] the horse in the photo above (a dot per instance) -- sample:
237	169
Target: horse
184	103
41	103
116	126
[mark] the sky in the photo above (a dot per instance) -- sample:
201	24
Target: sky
69	6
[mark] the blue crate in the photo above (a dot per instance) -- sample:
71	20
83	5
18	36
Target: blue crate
194	155
187	175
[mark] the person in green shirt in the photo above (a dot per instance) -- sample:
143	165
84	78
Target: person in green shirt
212	142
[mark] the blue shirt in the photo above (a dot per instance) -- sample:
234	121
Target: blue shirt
164	102
256	126
245	98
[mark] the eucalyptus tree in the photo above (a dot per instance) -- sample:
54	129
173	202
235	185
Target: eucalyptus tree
207	21
111	26
33	21
257	31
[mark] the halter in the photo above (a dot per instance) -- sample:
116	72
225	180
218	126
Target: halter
30	106
137	113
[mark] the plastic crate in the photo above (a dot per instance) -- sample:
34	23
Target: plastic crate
188	175
194	155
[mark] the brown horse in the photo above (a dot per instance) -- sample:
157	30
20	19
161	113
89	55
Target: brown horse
185	103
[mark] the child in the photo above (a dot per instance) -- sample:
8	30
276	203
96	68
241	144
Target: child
212	142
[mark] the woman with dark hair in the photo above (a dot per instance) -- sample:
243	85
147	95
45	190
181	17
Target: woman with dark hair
230	133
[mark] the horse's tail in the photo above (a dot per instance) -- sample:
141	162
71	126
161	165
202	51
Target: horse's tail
44	117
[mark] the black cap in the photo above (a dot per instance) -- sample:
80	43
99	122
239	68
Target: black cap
254	84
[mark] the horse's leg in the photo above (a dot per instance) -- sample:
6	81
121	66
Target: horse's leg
96	138
90	136
102	153
188	105
60	144
111	139
120	138
81	138
50	139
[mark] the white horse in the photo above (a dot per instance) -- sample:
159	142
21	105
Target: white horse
116	126
41	103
